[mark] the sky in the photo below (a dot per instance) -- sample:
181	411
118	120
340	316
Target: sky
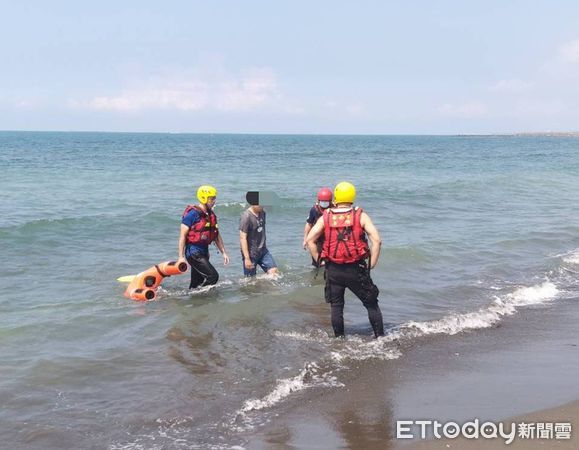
328	67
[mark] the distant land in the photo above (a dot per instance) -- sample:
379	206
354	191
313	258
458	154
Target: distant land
549	133
531	133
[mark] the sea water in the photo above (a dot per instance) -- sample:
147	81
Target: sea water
474	230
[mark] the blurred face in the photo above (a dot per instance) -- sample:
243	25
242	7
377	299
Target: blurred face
324	204
210	202
257	208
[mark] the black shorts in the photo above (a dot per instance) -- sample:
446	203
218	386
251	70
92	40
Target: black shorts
354	276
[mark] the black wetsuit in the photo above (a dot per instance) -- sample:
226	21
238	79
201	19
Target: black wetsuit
315	214
202	271
356	277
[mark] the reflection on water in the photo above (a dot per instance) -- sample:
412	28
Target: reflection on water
360	419
369	432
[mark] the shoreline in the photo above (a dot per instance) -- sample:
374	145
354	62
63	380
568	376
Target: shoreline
525	365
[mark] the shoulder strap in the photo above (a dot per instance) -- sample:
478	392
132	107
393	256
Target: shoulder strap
188	209
199	210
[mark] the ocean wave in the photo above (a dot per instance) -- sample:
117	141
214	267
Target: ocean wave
38	224
260	278
168	293
571	257
230	205
533	295
310	376
451	324
313	336
355	348
229	209
317	373
352	348
358	349
100	221
170	433
455	323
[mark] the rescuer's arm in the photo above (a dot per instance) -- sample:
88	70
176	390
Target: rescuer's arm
307	229
221	247
182	237
374	236
313	236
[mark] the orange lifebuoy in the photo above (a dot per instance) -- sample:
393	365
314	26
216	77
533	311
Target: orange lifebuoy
144	285
173	267
142	294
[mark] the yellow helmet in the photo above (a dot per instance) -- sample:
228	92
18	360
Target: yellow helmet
206	191
344	192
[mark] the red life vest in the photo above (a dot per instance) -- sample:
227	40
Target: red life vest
344	238
205	230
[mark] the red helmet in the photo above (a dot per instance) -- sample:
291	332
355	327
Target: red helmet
325	195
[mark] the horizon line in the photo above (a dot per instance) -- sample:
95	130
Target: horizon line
225	133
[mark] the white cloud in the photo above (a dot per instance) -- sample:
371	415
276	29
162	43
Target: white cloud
187	97
513	85
465	110
15	103
257	88
254	90
569	52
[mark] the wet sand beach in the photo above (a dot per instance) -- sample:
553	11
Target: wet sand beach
529	363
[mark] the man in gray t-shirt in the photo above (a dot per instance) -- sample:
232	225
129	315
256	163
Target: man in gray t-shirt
253	242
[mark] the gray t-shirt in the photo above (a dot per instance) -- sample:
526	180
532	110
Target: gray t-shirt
254	226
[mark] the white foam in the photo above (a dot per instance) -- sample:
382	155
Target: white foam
310	376
173	433
352	348
486	317
533	295
571	257
260	277
358	349
454	323
163	292
313	336
227	204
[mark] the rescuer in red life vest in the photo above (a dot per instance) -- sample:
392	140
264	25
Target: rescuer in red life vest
199	229
323	202
345	251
